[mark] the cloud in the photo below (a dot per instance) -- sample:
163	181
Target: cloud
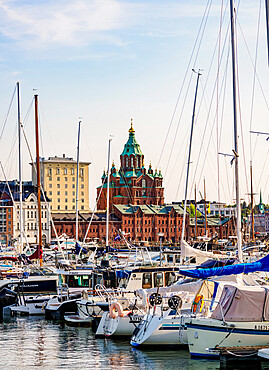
49	24
63	22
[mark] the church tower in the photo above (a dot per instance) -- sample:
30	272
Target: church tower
132	184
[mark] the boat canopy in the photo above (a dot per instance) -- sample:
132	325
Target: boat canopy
244	303
260	265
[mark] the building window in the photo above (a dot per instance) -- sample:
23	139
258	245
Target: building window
82	186
82	200
82	178
58	200
50	171
50	192
73	179
50	178
73	207
65	178
72	171
58	207
73	186
82	172
58	185
82	193
126	162
58	171
65	192
65	186
65	207
50	185
58	193
58	178
144	183
66	200
73	193
82	207
73	200
65	171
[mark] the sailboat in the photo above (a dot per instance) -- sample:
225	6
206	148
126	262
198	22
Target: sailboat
241	317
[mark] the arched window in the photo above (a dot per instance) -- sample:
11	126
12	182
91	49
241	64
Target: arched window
132	162
144	183
126	162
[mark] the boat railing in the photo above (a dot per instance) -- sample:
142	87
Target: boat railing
104	293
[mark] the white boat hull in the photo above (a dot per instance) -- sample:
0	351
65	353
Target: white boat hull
205	336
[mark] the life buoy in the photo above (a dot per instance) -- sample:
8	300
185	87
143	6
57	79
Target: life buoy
115	310
196	301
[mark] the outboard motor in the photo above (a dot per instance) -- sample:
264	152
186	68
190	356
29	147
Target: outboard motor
7	298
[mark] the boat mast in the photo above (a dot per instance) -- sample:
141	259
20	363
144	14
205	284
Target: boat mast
205	210
20	175
238	206
195	211
267	24
188	163
39	246
252	208
107	195
77	182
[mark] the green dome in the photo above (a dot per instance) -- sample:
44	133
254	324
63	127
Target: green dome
132	146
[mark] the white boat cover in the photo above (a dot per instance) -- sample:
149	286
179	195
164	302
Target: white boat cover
188	251
243	303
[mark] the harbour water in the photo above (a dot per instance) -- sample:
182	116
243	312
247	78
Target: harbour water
35	342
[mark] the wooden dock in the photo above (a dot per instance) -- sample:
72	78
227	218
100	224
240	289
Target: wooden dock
247	355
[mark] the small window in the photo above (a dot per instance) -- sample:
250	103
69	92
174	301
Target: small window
65	193
50	193
58	200
65	171
82	172
65	207
72	171
65	186
58	207
158	279
58	185
58	171
50	171
58	193
82	207
73	186
169	277
50	178
66	200
147	280
65	178
50	185
73	179
82	186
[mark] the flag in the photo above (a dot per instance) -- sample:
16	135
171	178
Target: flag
117	237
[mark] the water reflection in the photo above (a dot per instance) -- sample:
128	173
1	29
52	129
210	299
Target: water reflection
27	342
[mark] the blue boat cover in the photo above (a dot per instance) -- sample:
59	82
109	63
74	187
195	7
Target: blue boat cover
260	265
123	274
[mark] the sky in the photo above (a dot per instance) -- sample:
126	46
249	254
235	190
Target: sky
108	61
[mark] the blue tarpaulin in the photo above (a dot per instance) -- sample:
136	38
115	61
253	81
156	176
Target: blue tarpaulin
261	265
123	274
78	248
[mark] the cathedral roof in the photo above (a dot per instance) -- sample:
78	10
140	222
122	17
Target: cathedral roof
132	146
